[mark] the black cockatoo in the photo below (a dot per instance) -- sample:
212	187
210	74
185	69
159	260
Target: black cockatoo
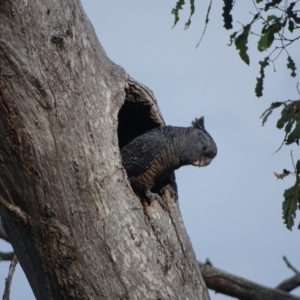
151	159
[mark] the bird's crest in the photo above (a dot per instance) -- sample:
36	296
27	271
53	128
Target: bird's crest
199	124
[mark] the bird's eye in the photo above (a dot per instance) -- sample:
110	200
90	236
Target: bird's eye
204	148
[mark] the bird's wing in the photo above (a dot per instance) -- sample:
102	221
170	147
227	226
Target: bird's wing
139	154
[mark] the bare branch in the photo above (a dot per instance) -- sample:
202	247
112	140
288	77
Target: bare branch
240	288
6	256
284	258
290	283
289	265
21	215
8	280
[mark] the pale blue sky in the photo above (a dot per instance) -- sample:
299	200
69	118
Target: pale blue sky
232	208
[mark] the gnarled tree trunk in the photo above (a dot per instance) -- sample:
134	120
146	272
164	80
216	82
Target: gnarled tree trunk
74	222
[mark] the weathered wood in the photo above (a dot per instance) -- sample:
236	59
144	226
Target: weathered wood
85	234
290	283
240	288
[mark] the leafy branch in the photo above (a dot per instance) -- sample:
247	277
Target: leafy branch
272	31
273	27
277	22
291	195
176	11
290	122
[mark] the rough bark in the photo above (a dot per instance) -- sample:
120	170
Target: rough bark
240	288
290	283
77	228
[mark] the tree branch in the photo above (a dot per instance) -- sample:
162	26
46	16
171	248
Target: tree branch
290	283
240	288
21	215
288	264
8	280
6	256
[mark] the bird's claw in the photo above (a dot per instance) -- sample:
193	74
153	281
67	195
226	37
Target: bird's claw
152	196
172	191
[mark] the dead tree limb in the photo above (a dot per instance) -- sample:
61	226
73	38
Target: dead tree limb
10	275
290	283
6	256
234	286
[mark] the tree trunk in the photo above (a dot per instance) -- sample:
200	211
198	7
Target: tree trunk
74	222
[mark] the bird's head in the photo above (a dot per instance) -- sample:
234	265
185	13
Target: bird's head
204	148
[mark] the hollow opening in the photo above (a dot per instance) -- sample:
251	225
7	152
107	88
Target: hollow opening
134	120
139	114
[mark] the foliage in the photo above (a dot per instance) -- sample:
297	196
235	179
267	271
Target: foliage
274	24
276	35
291	195
178	7
290	122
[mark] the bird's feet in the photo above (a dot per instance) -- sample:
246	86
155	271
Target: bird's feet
172	191
151	196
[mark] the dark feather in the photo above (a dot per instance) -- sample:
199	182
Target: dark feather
139	154
199	124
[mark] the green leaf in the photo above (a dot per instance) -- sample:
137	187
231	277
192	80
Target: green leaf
289	206
257	1
286	116
245	57
241	43
265	115
294	136
175	11
288	126
291	65
293	14
192	10
260	80
227	17
275	104
287	112
265	41
291	26
268	31
289	10
270	18
288	193
272	4
280	123
232	37
241	40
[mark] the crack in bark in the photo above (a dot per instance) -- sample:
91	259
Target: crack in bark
165	250
17	137
16	210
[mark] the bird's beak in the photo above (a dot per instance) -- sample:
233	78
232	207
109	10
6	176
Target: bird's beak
203	161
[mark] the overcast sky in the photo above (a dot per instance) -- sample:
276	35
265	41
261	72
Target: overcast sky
232	208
